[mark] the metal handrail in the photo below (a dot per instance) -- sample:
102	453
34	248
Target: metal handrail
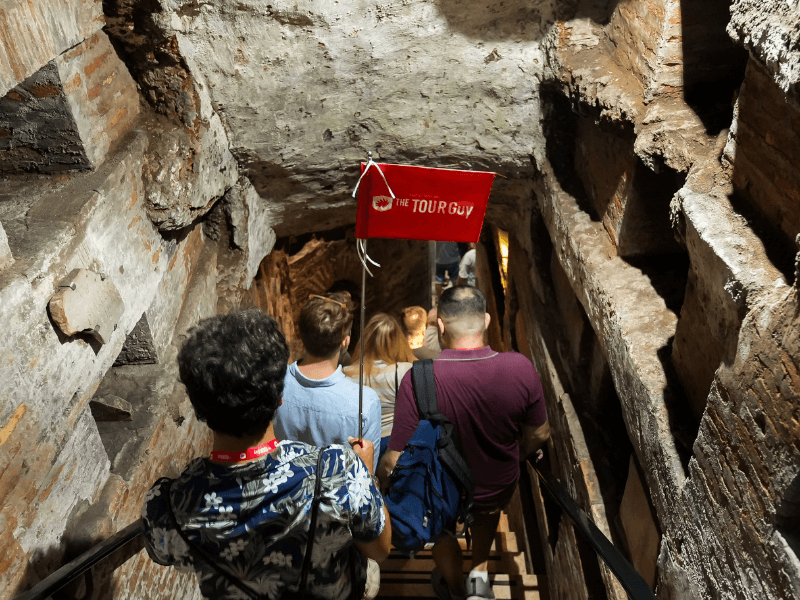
634	584
75	568
631	581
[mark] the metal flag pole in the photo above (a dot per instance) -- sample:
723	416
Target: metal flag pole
361	346
361	247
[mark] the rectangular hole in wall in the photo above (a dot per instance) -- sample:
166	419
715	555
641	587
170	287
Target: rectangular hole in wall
713	64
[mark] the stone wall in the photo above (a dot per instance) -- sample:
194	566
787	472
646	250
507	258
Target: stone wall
676	323
76	192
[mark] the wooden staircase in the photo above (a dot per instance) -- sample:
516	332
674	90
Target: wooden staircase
403	577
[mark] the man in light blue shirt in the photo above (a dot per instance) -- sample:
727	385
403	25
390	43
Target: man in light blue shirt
320	405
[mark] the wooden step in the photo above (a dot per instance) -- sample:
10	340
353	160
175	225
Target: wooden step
505	587
403	577
507	562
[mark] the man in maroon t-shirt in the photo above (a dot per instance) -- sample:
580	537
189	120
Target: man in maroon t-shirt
496	404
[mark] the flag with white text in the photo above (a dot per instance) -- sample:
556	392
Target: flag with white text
445	205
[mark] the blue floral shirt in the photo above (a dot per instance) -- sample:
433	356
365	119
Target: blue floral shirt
253	519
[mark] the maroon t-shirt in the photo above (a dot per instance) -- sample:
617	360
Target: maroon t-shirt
488	396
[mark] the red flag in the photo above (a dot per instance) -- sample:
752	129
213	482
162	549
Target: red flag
445	205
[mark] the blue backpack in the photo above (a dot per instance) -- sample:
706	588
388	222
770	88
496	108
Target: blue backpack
431	486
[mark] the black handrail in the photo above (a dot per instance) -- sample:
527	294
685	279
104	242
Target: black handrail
75	568
630	579
634	585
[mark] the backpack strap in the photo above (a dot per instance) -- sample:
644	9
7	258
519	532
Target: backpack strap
238	583
424	388
312	528
425	394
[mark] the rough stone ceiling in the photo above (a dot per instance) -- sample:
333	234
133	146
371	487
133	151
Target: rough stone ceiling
304	89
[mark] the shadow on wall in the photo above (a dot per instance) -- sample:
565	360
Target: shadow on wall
493	20
787	518
765	155
713	64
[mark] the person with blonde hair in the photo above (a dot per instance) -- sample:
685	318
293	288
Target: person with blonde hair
387	358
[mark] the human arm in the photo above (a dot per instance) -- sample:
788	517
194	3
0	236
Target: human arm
386	466
372	423
535	427
377	549
163	544
466	267
406	419
534	438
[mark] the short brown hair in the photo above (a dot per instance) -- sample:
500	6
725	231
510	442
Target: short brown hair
324	322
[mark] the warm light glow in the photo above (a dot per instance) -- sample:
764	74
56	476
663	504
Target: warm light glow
502	240
415	339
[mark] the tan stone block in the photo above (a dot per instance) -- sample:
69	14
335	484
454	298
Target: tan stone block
87	302
101	93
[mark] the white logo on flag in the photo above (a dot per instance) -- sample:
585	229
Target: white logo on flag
382	203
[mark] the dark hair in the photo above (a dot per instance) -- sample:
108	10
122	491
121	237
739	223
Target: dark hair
233	367
324	322
461	301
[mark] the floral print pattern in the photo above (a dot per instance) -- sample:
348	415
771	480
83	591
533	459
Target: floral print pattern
253	519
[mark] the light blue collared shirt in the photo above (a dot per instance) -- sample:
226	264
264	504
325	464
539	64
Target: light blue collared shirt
325	411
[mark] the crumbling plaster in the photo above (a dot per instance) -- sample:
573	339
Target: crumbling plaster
305	89
768	28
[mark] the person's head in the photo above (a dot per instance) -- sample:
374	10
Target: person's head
233	367
461	315
325	323
383	340
432	316
414	322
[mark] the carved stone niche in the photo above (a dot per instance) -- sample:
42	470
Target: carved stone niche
139	347
88	303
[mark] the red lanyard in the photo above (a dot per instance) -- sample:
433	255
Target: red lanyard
248	454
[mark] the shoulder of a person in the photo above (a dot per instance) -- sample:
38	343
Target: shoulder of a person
344	456
520	363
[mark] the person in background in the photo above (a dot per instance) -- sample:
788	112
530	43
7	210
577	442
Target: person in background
387	358
352	288
496	405
241	518
447	262
466	270
320	405
414	318
430	342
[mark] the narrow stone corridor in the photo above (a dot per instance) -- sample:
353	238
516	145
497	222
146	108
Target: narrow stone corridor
640	246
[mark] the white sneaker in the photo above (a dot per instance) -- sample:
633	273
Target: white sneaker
478	589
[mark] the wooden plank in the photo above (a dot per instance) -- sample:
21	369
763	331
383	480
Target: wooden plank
506	542
403	577
512	564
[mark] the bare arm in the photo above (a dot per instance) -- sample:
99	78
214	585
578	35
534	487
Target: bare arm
533	439
386	466
377	549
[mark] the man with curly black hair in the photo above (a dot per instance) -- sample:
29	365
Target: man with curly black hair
241	519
